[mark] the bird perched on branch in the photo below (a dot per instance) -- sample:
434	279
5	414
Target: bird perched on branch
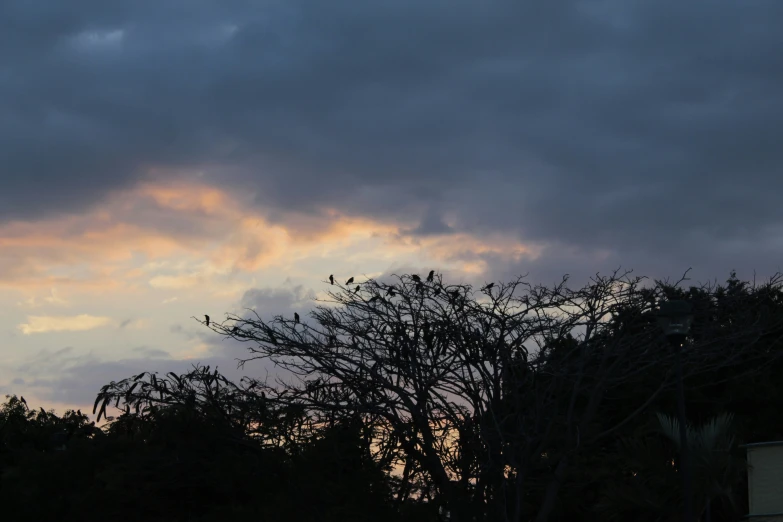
390	291
356	291
489	286
234	329
349	281
296	318
207	319
431	276
416	278
331	279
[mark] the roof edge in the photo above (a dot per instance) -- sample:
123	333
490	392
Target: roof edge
762	444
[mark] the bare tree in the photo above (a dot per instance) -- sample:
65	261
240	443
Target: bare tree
248	417
474	393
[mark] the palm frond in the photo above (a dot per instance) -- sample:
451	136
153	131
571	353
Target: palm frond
654	492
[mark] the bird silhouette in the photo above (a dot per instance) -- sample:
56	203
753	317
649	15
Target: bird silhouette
296	318
416	278
436	292
356	291
235	329
431	276
23	401
331	279
489	286
454	293
207	318
349	281
390	291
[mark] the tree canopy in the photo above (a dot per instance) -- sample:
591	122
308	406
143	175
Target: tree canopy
413	399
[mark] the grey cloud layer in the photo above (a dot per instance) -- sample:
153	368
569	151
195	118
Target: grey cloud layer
646	127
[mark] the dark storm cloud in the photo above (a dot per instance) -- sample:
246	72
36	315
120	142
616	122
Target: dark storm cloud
644	127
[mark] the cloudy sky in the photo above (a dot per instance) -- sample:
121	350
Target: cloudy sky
164	159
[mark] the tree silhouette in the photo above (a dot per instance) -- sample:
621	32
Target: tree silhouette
501	405
421	367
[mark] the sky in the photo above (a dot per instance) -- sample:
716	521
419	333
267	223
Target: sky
161	160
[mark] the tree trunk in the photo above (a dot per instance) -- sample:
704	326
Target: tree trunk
551	491
519	490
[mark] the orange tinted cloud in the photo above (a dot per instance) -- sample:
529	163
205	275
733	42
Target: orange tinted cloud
179	235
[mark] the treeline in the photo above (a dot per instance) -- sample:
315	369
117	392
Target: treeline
417	400
181	464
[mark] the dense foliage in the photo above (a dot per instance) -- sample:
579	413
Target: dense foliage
178	464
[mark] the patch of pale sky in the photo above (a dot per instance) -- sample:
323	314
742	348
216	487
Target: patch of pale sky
43	324
136	324
34	301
